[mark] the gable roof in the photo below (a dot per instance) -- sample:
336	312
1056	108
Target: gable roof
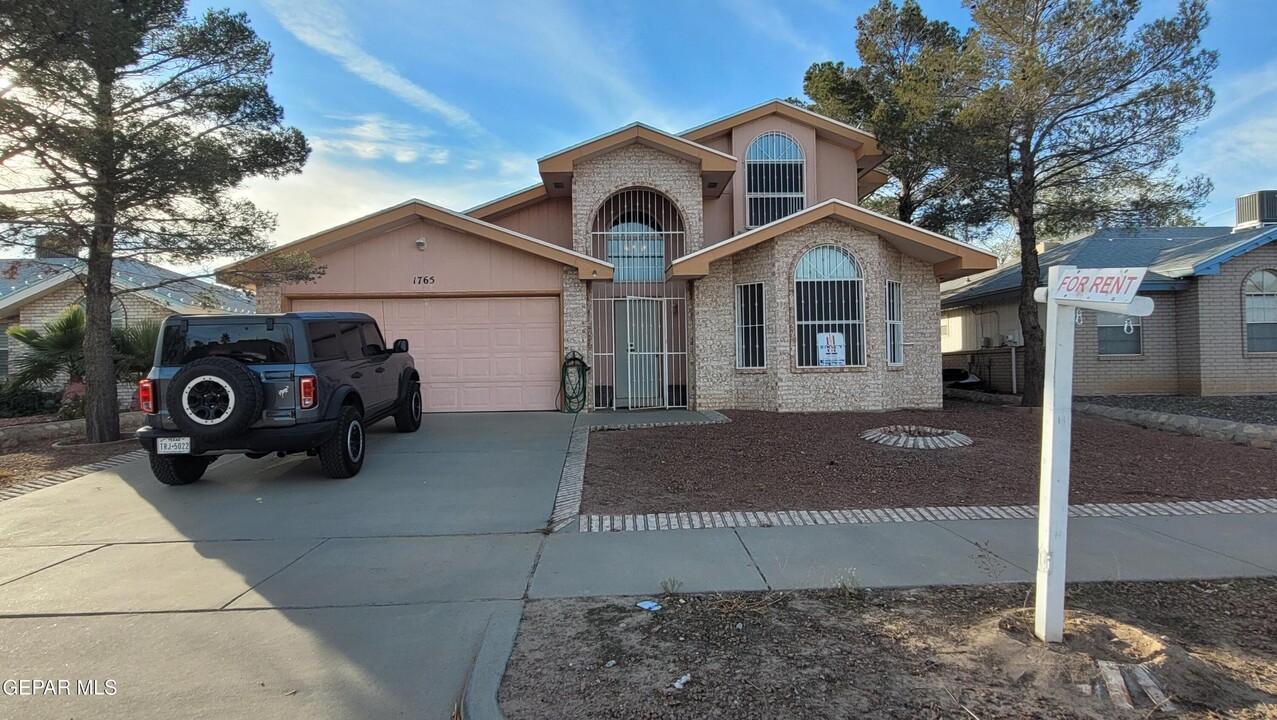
1171	255
412	210
868	153
23	280
949	257
716	167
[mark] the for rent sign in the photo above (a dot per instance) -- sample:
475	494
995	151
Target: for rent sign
1111	285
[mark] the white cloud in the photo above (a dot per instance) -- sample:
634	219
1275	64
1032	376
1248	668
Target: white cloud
331	193
770	22
324	26
374	136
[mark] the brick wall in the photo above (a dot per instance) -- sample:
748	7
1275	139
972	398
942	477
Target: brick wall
269	299
36	313
782	385
1226	367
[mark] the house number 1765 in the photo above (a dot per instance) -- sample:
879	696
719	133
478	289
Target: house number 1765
423	280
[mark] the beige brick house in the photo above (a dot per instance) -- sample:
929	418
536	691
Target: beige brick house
1213	330
34	291
729	266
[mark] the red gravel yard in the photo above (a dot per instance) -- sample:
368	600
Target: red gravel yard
813	461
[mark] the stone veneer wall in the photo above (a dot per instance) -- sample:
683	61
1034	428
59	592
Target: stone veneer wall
594	181
269	299
785	387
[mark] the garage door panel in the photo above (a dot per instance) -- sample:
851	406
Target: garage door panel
475	353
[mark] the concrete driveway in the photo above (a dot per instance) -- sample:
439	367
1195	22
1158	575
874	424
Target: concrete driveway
268	590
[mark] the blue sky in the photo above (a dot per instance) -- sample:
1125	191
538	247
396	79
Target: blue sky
453	102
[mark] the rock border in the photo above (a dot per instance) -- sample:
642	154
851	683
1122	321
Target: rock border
931	439
782	518
15	434
1256	435
567	500
71	473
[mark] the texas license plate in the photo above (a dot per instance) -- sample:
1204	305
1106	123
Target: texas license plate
173	446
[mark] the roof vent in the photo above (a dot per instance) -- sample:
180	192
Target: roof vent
1256	209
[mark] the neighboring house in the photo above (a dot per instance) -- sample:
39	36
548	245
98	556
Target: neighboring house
1213	330
727	266
34	291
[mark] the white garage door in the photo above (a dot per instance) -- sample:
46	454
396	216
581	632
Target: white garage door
474	354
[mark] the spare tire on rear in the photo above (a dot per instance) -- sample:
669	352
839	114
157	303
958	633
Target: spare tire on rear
214	398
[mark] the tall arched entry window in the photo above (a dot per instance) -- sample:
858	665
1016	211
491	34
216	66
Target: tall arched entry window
639	320
774	185
829	309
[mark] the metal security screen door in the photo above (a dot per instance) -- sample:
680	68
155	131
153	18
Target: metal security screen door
638	319
640	333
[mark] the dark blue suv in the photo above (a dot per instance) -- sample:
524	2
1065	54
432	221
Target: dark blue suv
260	384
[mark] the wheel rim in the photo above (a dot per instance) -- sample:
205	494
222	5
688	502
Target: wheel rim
416	405
355	441
208	400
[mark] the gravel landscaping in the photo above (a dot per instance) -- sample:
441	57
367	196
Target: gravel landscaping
1238	408
36	458
959	652
815	461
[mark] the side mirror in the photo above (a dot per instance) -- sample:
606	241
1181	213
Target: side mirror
401	346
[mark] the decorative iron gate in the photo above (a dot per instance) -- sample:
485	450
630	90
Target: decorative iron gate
639	320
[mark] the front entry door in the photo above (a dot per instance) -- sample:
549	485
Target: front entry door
640	330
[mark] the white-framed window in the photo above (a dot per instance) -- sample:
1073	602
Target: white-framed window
1259	295
751	332
895	323
1118	334
774	186
944	326
829	309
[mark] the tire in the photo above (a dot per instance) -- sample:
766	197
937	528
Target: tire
342	455
408	416
179	469
214	398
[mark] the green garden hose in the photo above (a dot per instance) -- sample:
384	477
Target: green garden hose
572	383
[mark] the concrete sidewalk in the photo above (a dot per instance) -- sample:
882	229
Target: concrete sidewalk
901	554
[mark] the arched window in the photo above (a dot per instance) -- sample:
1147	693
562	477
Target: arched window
1259	295
829	309
636	229
773	178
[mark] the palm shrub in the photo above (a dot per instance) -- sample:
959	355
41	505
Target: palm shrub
135	348
56	351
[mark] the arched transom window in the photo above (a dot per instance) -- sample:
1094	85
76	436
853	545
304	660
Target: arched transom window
1259	295
773	178
829	309
638	230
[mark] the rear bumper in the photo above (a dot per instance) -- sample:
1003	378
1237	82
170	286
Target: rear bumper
297	438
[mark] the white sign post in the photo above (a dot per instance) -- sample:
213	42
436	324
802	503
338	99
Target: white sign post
1068	290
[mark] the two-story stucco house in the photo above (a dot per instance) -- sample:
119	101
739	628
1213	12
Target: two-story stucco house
726	266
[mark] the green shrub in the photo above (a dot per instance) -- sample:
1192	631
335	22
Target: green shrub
72	409
28	401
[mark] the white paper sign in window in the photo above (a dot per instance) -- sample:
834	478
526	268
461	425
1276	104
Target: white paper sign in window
832	349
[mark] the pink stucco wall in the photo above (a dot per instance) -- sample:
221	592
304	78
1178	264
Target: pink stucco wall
390	263
549	220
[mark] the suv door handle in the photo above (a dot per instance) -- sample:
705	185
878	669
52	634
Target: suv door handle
381	369
356	375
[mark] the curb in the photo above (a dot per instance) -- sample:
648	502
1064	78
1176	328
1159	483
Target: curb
479	701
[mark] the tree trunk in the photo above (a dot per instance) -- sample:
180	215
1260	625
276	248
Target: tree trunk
101	408
1031	276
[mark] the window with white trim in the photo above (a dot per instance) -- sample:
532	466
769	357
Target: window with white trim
1118	334
829	309
944	326
895	323
1259	294
774	188
751	334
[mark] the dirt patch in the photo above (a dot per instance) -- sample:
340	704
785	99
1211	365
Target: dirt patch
36	458
925	653
28	420
1235	408
813	461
